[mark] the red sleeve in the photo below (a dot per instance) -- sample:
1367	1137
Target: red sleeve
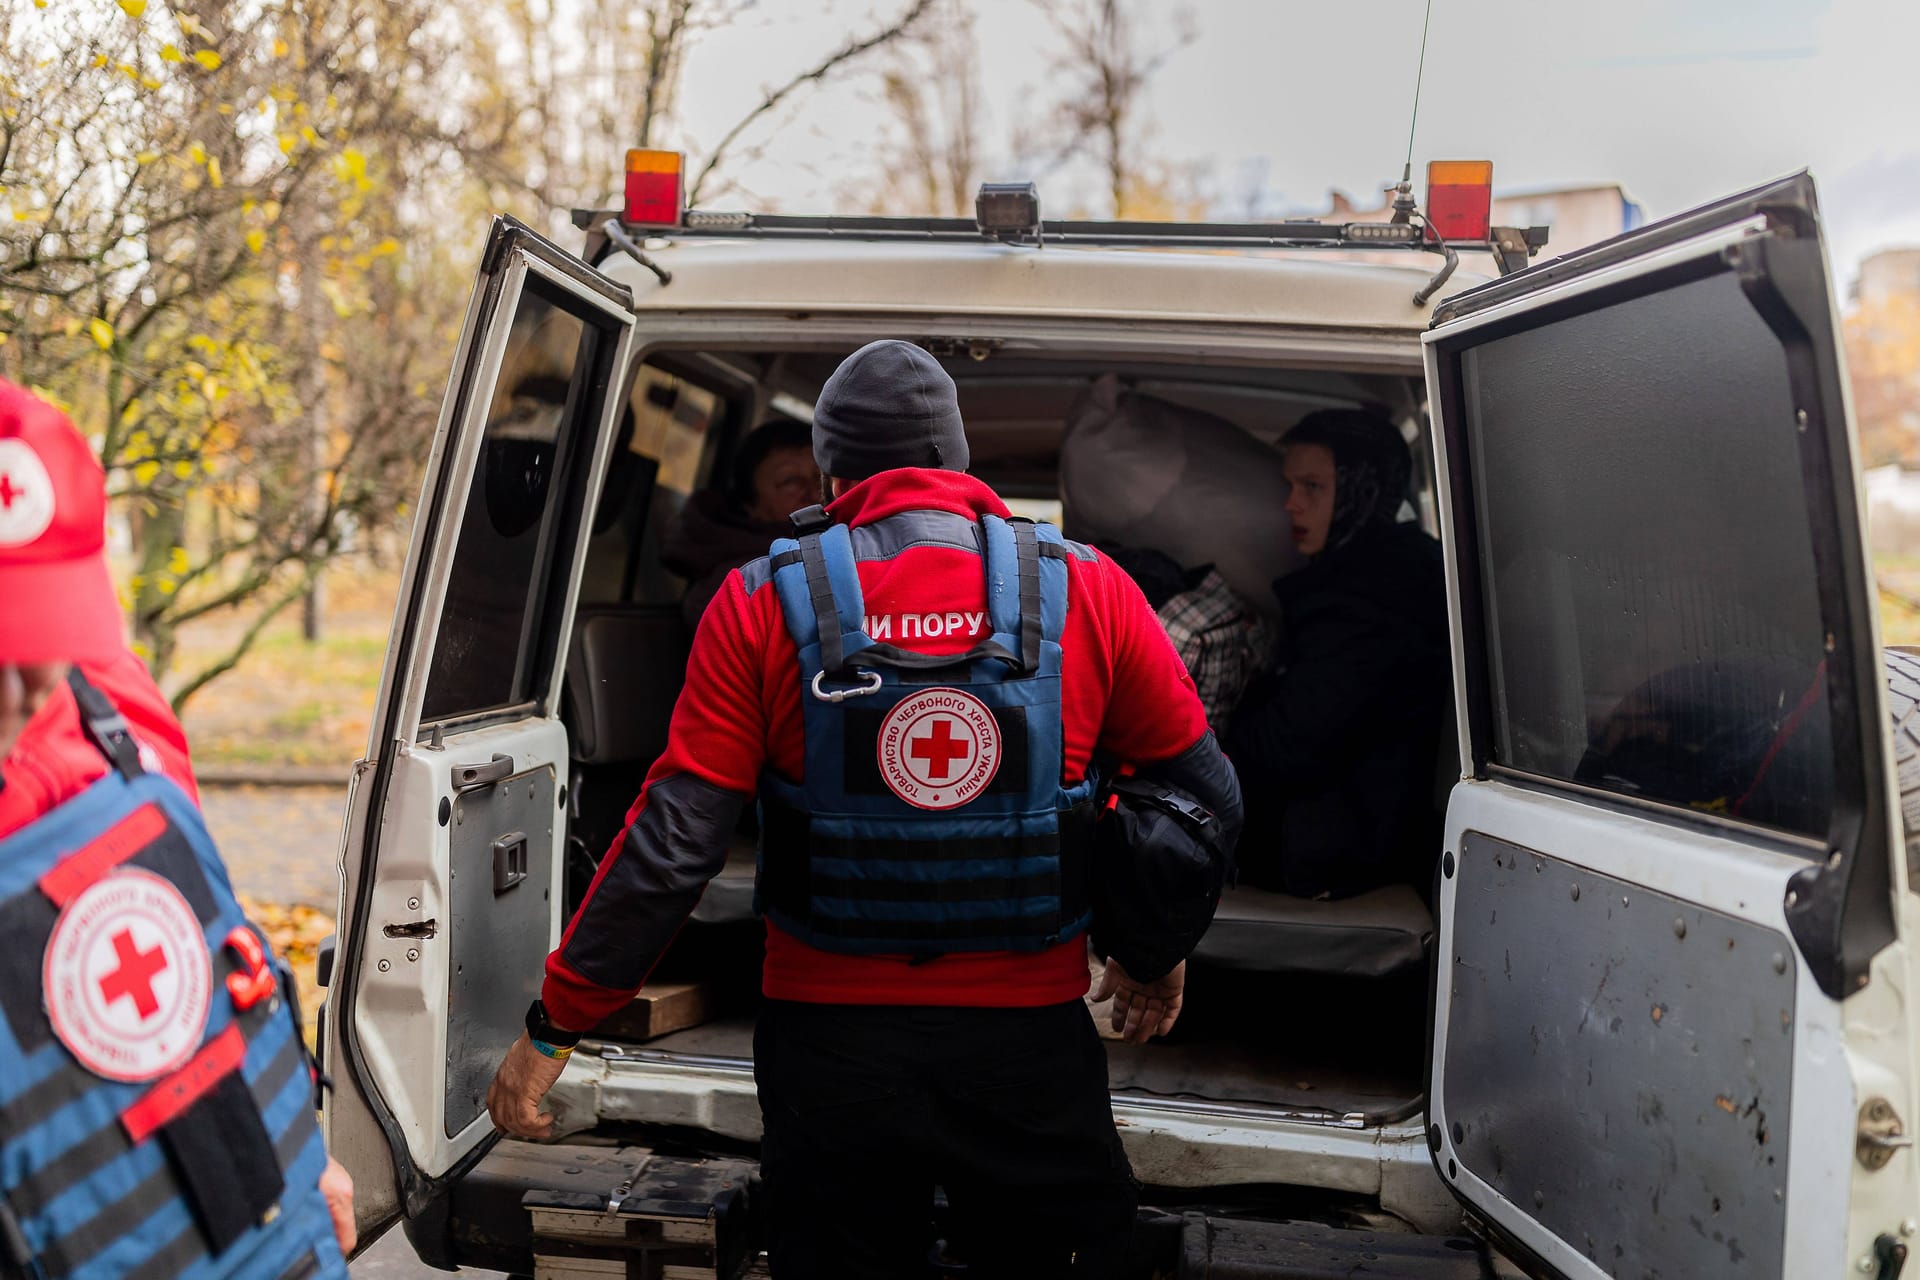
676	835
1153	711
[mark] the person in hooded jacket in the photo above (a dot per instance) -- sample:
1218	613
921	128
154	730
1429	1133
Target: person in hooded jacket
1337	747
773	475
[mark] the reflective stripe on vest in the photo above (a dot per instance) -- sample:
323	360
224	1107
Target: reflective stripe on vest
108	1177
932	818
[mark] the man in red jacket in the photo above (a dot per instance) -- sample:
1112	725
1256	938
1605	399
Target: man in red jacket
917	687
58	612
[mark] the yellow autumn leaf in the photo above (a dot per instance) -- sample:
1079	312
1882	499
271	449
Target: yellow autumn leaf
3	339
102	333
287	143
256	240
177	558
280	49
385	247
72	327
184	470
192	25
167	586
146	157
213	170
307	135
149	82
133	8
225	108
99	59
272	210
208	59
144	473
197	153
131	414
171	53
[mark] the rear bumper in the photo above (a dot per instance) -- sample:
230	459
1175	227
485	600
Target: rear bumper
1171	1143
573	1212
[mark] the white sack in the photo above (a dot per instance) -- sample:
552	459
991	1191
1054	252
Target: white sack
1142	472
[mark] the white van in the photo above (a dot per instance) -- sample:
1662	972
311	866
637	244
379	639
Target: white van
1657	1021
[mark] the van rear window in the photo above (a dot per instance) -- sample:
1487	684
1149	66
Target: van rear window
1651	612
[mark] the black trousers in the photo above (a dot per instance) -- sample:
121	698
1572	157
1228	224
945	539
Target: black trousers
868	1108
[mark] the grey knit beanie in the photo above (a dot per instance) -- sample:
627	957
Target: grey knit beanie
888	405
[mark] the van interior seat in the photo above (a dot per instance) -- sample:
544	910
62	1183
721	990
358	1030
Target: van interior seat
1373	935
624	671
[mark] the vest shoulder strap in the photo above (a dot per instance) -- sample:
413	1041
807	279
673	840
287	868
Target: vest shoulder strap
106	728
818	579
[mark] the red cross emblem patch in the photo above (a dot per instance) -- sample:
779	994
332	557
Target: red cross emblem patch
939	748
26	494
127	977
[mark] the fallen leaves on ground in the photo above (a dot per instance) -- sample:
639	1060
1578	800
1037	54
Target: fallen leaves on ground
295	933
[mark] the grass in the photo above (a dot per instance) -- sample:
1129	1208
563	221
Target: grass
290	701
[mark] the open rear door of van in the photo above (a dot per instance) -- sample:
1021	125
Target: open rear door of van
451	886
1667	892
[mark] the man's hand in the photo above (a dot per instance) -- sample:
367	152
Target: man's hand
336	1188
519	1087
1142	1010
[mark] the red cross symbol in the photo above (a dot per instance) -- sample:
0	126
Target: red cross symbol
940	749
135	975
8	492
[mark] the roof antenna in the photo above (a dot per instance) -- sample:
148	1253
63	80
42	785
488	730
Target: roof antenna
1403	194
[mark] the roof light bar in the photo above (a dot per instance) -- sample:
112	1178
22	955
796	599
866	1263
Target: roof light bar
653	188
1460	199
1008	211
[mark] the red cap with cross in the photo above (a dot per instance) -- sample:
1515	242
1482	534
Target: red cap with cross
56	600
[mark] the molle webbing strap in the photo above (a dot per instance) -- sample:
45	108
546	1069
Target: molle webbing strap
1026	543
826	613
105	726
1050	864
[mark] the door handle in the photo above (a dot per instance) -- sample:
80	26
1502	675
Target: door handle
509	861
468	776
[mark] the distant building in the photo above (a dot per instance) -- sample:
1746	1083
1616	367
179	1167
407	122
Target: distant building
1889	274
1575	216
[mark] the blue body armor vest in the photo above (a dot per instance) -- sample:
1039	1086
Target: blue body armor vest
932	818
156	1101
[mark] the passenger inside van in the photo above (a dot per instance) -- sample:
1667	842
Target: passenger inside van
1337	745
718	530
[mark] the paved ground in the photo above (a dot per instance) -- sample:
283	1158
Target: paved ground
391	1258
280	843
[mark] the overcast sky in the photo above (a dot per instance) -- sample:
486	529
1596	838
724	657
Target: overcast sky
1677	100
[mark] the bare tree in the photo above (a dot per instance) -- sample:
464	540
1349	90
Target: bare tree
932	155
837	61
1107	60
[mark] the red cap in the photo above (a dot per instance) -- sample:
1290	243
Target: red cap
56	601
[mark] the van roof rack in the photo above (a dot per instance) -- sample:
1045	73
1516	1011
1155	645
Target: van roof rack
1459	193
1299	233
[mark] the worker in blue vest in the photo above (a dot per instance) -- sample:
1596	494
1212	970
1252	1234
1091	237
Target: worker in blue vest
156	1099
917	685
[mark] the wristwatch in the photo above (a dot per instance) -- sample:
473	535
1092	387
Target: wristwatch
538	1028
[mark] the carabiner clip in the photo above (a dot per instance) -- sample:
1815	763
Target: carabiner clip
871	685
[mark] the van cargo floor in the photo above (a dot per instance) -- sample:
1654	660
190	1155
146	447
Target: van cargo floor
1203	1071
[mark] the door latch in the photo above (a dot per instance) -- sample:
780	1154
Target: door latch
509	861
1880	1135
